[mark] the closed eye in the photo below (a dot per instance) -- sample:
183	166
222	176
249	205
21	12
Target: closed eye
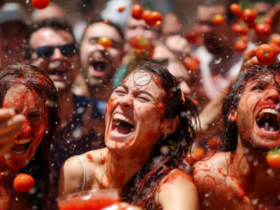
258	87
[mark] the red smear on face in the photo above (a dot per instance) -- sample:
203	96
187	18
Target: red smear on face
123	82
220	171
90	158
103	160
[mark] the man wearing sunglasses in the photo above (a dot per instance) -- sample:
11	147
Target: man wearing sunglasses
51	46
99	63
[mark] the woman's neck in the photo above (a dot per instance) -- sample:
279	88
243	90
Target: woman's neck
121	168
7	173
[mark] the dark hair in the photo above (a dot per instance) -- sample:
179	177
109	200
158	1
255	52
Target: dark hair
36	80
53	23
115	26
251	73
144	183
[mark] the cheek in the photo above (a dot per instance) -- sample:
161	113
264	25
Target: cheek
39	130
110	107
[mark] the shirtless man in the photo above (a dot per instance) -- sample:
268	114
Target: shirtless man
240	177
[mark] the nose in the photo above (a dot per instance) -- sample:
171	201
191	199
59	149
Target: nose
272	94
26	129
185	88
57	55
126	102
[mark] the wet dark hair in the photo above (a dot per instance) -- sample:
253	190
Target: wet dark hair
36	80
251	73
115	26
53	23
141	188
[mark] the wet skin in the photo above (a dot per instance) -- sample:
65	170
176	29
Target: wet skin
244	180
32	106
127	151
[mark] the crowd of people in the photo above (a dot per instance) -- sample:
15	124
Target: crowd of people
178	124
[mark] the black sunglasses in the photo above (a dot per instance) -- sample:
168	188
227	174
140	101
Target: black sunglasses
67	50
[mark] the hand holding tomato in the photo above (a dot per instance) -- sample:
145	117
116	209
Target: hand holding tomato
273	157
23	183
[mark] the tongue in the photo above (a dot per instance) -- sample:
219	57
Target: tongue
123	129
18	147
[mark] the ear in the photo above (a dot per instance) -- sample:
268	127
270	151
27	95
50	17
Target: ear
232	115
169	126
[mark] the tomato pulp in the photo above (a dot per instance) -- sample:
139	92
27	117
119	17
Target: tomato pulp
88	202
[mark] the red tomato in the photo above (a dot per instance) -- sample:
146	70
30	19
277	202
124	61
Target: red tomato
249	15
145	15
273	159
218	19
136	11
266	54
23	183
105	42
153	18
140	43
235	9
240	45
268	20
274	38
251	24
106	21
192	36
121	9
190	64
40	4
245	38
263	29
239	29
158	23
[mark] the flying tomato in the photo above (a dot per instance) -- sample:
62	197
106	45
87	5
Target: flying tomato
266	54
136	11
121	9
235	9
23	183
105	42
249	15
140	43
40	4
239	29
192	36
273	157
145	15
218	19
268	20
263	29
154	17
240	45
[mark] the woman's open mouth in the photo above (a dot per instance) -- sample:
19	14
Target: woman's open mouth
121	126
21	146
268	120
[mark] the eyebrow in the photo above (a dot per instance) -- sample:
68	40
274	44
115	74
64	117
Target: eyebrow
139	91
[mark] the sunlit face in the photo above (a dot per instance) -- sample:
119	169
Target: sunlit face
134	114
216	37
257	113
99	63
61	69
31	105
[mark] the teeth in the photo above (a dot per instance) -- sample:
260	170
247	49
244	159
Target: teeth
123	118
22	141
272	111
21	152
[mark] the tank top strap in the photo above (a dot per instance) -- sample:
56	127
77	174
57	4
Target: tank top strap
84	173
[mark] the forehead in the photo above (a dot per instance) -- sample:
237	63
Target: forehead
142	80
206	13
134	23
50	37
101	29
266	80
21	96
